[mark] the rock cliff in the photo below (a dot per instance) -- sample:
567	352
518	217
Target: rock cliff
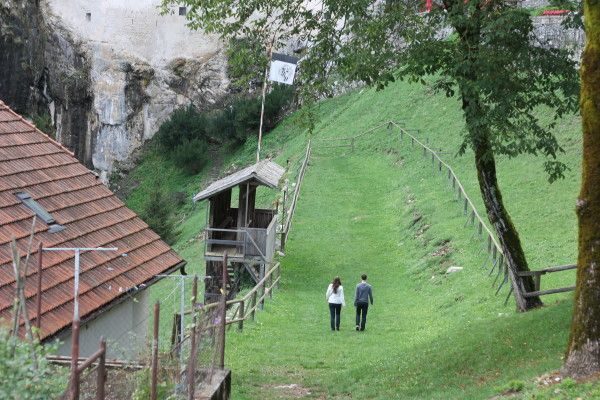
107	72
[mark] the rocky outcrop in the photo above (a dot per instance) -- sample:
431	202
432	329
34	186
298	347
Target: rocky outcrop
44	71
108	73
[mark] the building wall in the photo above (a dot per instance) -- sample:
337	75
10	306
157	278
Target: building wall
125	327
135	27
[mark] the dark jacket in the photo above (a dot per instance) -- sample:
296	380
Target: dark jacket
364	293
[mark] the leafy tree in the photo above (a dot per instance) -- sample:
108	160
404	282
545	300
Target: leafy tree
492	62
583	352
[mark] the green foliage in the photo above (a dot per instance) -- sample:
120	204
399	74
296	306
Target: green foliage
191	155
497	68
142	385
158	213
246	62
20	379
44	123
233	123
513	386
184	125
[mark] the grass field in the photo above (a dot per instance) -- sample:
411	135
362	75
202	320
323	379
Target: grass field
429	335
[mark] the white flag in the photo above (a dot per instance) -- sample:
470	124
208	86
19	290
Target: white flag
283	68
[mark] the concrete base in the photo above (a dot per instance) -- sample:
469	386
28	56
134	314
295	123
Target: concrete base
218	389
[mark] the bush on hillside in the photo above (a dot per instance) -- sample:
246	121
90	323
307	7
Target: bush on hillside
158	214
184	124
191	155
233	124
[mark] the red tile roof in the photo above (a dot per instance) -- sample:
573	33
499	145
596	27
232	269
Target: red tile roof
92	215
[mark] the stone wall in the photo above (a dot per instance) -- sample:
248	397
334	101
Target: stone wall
549	30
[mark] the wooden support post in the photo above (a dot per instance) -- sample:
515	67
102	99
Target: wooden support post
453	182
536	281
38	319
242	316
75	360
489	244
466	205
271	286
101	379
223	311
472	217
154	371
440	166
494	252
191	372
480	228
401	134
412	141
424	152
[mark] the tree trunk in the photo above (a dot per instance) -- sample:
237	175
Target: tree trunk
583	351
502	223
469	34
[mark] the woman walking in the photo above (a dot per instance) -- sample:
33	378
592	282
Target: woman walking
335	298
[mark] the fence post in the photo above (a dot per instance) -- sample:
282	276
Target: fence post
192	362
466	204
101	371
253	304
75	359
154	372
480	228
242	316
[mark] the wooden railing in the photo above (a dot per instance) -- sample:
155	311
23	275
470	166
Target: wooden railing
288	219
251	301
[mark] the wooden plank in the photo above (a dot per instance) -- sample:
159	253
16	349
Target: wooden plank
547	270
549	291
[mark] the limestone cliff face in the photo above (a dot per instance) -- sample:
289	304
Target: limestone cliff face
108	72
44	70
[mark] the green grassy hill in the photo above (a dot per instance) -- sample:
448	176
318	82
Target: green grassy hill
429	335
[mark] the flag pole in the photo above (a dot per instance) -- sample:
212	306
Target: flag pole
264	93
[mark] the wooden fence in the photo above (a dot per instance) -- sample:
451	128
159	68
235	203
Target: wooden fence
251	301
494	249
287	225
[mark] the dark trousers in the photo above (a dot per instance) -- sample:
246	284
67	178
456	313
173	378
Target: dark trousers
361	315
335	310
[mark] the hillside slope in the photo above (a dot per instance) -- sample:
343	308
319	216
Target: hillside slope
429	335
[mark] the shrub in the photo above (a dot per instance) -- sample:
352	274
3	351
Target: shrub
191	155
20	379
185	124
157	212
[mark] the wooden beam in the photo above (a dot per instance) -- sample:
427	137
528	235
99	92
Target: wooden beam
549	291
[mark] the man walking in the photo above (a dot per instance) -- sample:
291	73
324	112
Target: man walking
364	294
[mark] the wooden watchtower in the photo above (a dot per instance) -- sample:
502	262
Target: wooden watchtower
246	233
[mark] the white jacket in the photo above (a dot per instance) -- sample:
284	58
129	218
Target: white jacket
335	298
